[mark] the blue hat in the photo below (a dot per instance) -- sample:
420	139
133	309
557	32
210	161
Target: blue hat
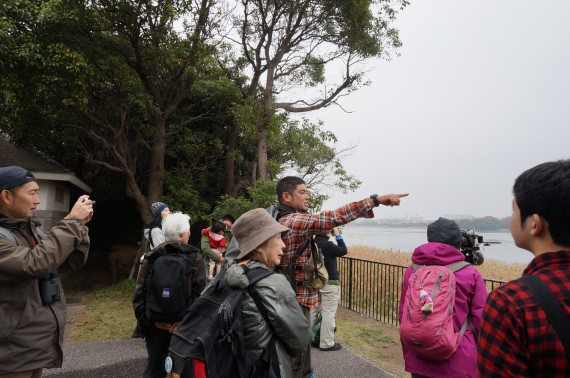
13	176
156	208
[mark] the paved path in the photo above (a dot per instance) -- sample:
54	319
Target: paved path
126	358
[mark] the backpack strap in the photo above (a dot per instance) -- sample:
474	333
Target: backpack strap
453	267
551	306
7	234
292	265
150	237
269	356
457	266
283	210
256	275
316	254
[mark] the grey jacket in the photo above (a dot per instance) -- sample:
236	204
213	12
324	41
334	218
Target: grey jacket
31	334
290	326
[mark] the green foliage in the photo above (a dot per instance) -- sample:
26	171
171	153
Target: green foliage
114	87
235	206
263	194
308	151
183	195
115	82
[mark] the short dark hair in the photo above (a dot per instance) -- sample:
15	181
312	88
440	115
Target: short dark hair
545	190
229	217
287	184
217	226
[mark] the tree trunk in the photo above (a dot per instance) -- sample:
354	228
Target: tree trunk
156	166
262	154
229	167
263	127
155	186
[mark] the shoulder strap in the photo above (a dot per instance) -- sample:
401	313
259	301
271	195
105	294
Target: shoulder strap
40	233
317	255
7	234
301	249
269	356
150	237
453	267
291	266
283	210
256	275
551	306
457	266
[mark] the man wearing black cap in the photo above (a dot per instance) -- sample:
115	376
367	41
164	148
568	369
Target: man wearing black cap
32	305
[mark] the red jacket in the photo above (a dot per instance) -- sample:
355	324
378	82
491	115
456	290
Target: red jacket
216	241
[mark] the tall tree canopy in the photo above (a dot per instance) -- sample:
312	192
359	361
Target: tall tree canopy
288	49
106	77
191	96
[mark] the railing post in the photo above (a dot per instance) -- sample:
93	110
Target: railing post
350	274
377	288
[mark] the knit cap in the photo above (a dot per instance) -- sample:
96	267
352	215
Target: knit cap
157	207
444	231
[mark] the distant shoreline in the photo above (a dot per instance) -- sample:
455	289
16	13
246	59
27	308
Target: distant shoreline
417	226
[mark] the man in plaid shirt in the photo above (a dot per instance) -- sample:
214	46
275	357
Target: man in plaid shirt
293	213
516	337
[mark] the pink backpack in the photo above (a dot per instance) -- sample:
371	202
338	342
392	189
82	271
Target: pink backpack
427	320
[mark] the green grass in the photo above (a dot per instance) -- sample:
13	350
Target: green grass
379	343
357	334
108	315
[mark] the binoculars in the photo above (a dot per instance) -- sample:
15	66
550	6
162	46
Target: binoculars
50	289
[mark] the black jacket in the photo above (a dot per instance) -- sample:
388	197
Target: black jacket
198	280
331	251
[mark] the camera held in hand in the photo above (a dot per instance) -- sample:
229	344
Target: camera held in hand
470	246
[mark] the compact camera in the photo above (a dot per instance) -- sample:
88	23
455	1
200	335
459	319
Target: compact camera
92	202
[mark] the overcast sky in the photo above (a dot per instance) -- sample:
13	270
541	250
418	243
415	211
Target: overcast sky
480	93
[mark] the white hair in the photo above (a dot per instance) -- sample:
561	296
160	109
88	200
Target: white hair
174	225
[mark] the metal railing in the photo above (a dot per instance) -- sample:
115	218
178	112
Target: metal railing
373	288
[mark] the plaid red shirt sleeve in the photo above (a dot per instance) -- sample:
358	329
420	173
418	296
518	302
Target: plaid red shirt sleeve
516	339
303	226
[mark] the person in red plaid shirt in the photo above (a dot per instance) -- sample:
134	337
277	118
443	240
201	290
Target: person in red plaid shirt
293	212
516	337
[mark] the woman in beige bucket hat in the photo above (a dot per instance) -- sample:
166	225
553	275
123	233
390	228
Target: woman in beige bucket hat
261	247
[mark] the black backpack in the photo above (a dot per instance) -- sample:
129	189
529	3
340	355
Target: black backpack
211	341
168	284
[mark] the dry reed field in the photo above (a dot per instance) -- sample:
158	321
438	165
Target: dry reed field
376	277
490	269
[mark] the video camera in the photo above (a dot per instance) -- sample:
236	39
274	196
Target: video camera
470	246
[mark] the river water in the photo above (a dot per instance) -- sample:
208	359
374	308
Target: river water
406	239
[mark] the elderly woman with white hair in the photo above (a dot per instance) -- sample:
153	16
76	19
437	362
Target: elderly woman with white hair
176	229
261	247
